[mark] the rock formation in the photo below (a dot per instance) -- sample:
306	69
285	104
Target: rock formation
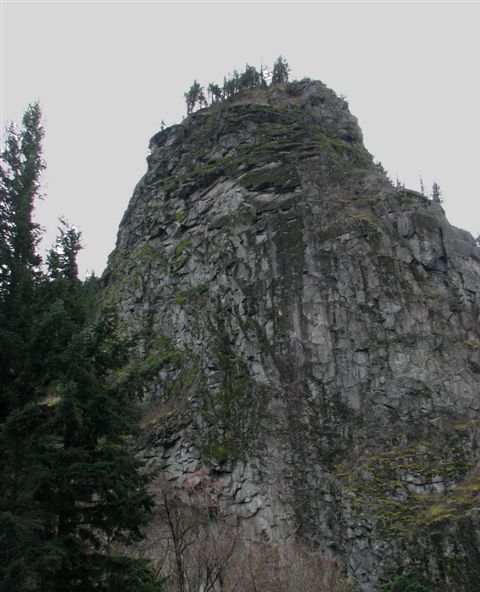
314	332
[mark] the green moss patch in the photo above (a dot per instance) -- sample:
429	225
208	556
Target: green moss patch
397	485
280	179
235	412
279	133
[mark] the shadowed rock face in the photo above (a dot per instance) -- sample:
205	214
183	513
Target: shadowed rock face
315	335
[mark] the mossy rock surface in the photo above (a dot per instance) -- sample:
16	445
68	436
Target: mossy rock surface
323	334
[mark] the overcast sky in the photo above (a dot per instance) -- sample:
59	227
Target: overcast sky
107	73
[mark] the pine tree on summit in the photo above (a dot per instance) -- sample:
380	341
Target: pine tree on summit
281	71
436	193
195	96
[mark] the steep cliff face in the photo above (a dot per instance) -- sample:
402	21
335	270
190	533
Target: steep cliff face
314	331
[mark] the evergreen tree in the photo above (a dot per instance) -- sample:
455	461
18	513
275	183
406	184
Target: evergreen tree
249	79
214	92
280	71
436	193
195	96
229	88
92	493
21	166
62	258
71	489
422	186
236	82
72	494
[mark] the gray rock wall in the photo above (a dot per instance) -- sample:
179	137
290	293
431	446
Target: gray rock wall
315	331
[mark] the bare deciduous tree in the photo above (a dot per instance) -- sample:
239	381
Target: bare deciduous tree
196	546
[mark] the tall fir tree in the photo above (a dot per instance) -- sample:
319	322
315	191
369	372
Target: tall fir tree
73	496
21	166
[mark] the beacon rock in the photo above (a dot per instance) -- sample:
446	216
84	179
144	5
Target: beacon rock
314	333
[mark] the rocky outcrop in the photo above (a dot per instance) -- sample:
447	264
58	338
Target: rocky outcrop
314	333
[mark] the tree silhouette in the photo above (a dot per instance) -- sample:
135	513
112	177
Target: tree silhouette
436	193
280	71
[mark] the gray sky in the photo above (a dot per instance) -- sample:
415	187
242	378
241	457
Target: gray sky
107	73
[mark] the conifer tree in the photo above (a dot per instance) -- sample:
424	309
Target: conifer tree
62	258
436	193
21	166
229	88
215	92
249	79
422	186
195	96
92	492
281	71
70	488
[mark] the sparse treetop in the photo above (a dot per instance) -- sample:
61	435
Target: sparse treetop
238	82
280	71
436	193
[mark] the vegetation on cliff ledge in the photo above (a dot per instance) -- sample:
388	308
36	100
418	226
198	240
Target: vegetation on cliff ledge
240	82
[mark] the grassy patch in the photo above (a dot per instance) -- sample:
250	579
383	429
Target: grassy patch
397	485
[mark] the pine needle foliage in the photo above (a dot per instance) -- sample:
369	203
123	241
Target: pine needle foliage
72	493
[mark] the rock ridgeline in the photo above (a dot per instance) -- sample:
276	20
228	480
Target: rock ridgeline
314	332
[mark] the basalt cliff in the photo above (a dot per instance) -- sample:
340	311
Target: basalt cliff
314	334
